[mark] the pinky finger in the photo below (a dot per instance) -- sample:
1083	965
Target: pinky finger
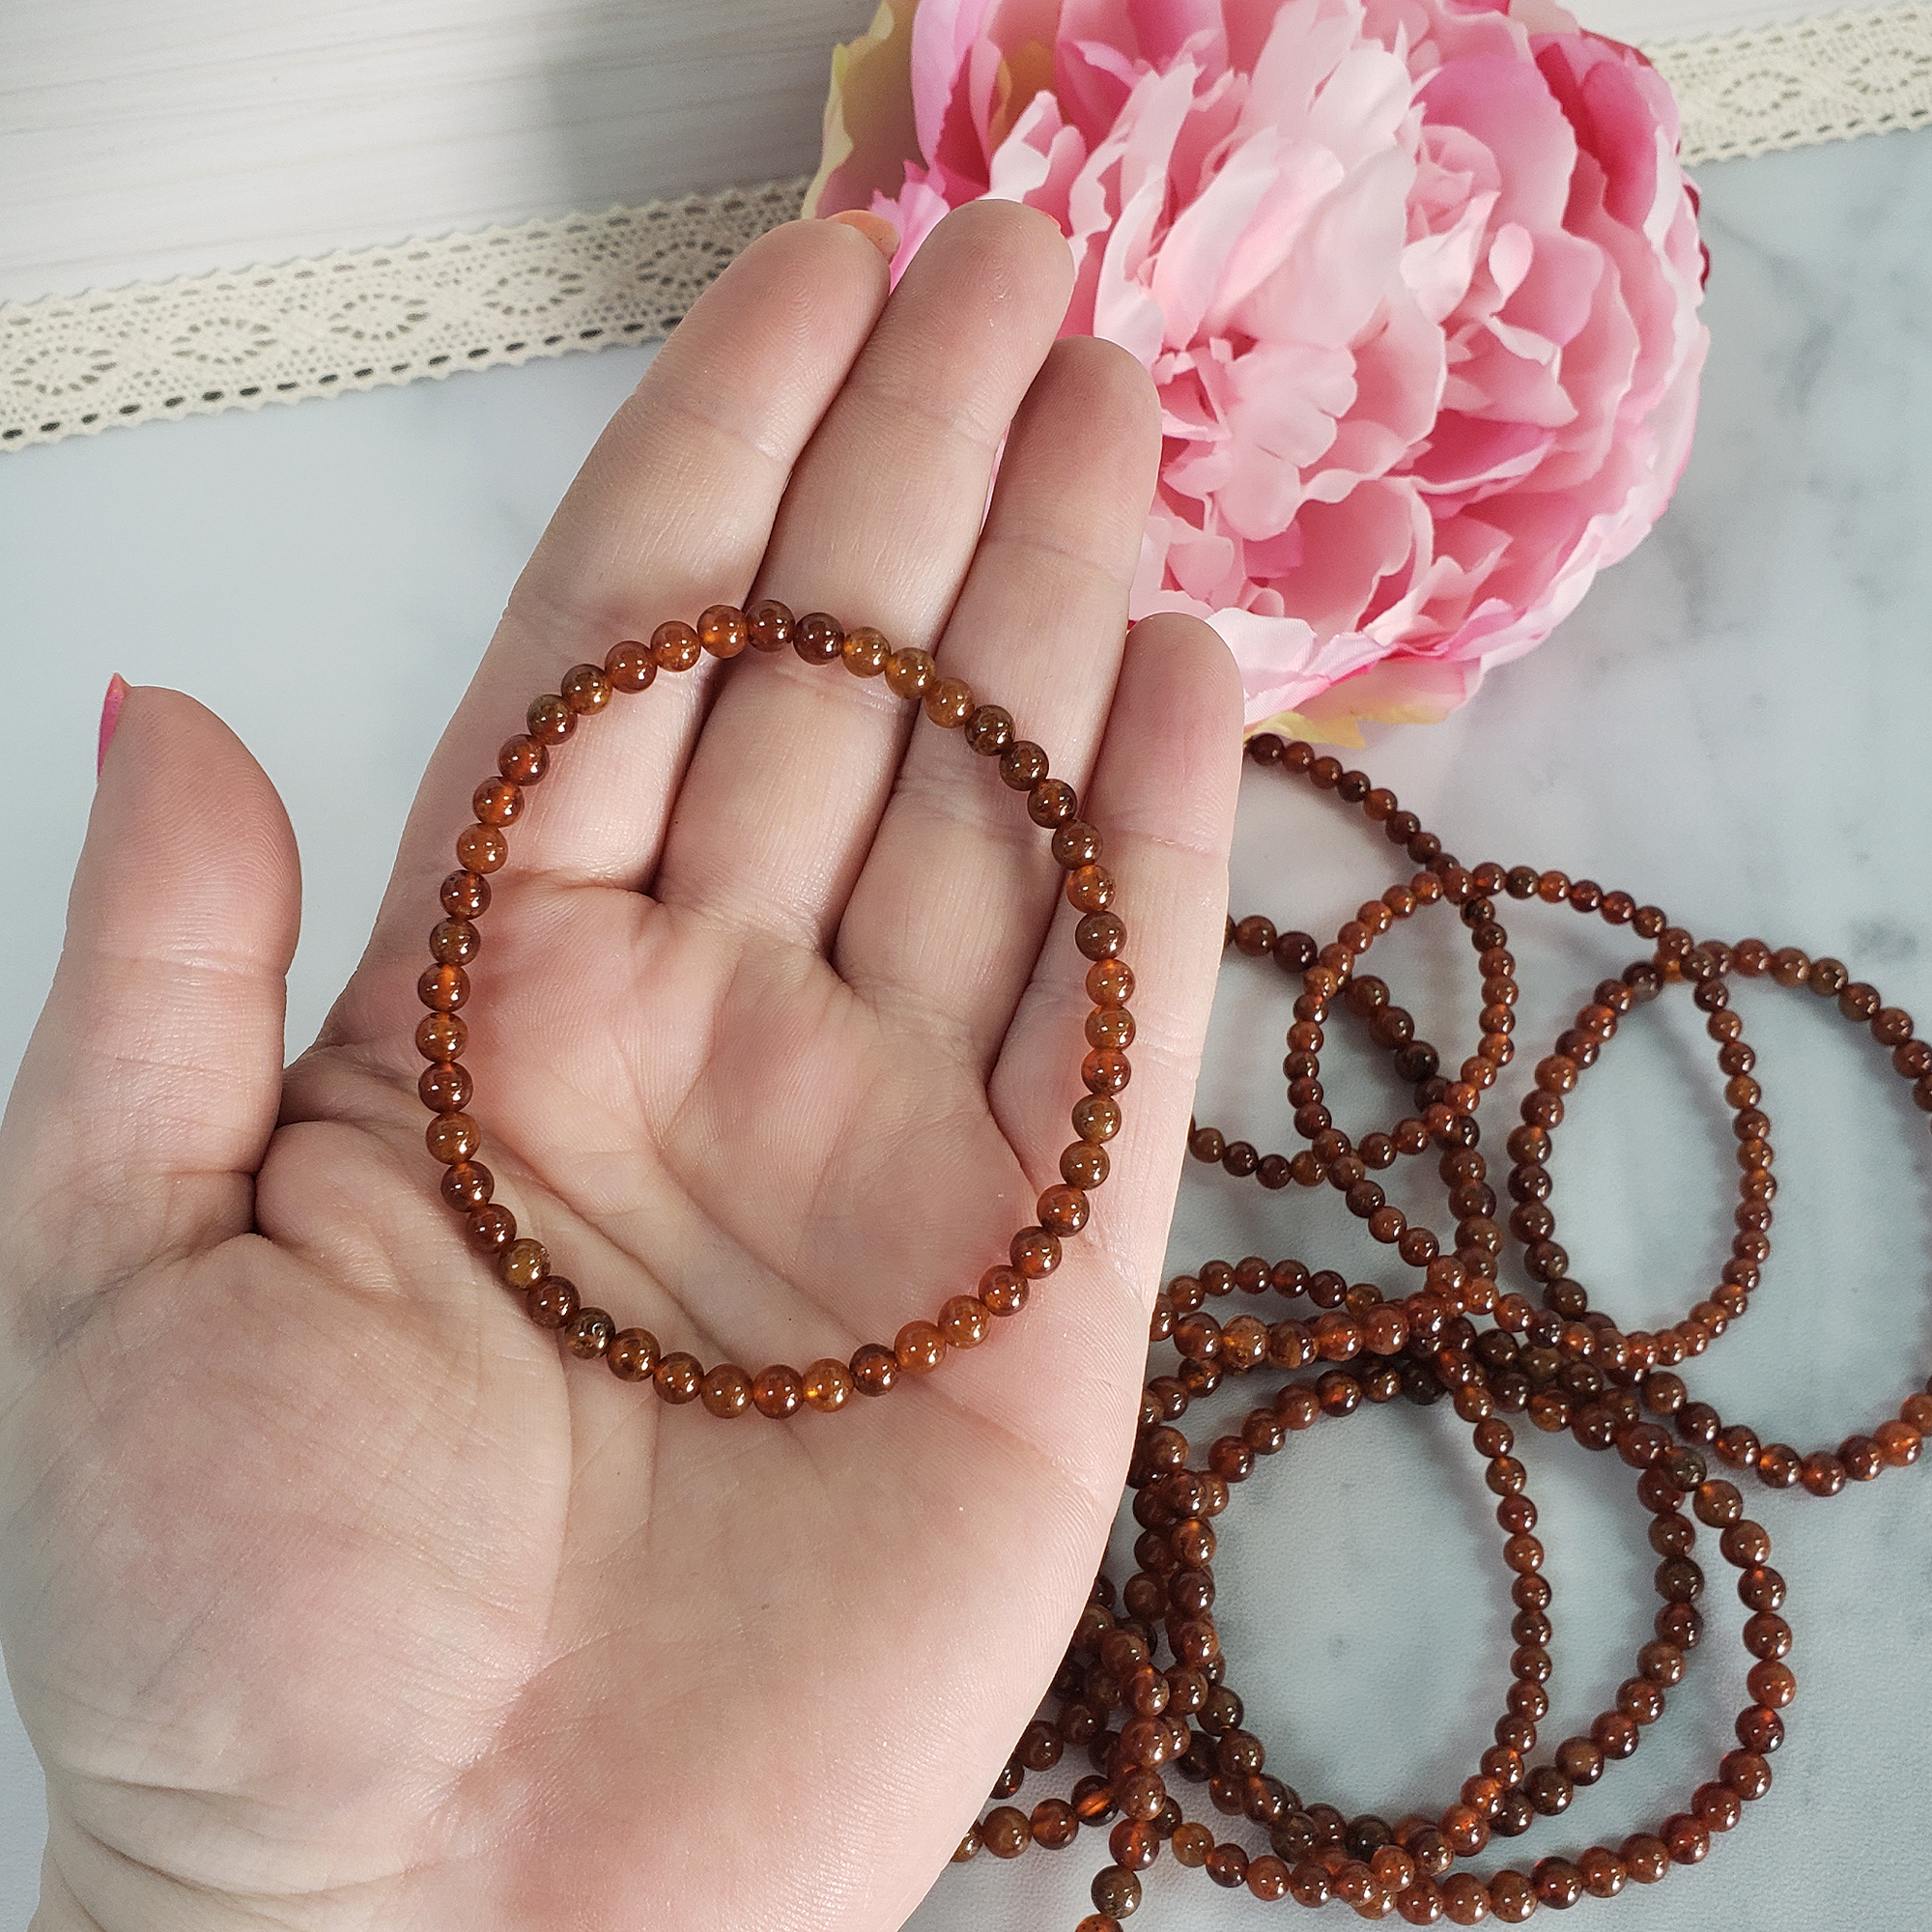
1162	796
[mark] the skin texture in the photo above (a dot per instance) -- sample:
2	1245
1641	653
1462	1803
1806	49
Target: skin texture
333	1595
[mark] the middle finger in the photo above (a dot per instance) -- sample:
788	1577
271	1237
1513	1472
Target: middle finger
796	762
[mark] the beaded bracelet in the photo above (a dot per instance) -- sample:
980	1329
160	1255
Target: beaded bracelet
1533	1222
1264	1431
1564	1364
1173	1554
1315	1854
446	1088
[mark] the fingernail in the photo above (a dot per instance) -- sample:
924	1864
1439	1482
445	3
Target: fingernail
110	715
875	228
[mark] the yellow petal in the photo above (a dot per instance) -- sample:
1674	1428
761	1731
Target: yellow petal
1400	691
869	130
1028	72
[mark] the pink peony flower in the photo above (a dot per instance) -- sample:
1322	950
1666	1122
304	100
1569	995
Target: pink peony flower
1417	282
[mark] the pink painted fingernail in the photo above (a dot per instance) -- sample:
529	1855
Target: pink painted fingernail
875	228
110	715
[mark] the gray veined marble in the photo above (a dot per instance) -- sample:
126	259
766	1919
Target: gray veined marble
1734	724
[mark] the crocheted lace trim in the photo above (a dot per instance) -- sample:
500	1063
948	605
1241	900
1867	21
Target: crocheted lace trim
368	317
374	318
1826	78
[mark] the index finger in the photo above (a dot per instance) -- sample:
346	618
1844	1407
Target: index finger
670	512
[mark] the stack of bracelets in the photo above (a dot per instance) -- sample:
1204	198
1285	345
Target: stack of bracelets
1494	1354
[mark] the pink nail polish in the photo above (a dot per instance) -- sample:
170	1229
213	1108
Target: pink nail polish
110	715
875	228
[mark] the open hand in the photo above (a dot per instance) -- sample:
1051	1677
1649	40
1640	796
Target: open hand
333	1593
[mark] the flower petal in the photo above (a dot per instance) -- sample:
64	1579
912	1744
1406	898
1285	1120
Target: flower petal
1416	281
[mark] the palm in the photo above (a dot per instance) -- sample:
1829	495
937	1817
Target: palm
348	1591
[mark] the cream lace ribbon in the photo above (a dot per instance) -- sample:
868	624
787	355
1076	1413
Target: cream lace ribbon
374	318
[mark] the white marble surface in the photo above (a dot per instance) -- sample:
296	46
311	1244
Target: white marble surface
139	142
1734	724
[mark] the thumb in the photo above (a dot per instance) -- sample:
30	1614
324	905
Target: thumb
149	1089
